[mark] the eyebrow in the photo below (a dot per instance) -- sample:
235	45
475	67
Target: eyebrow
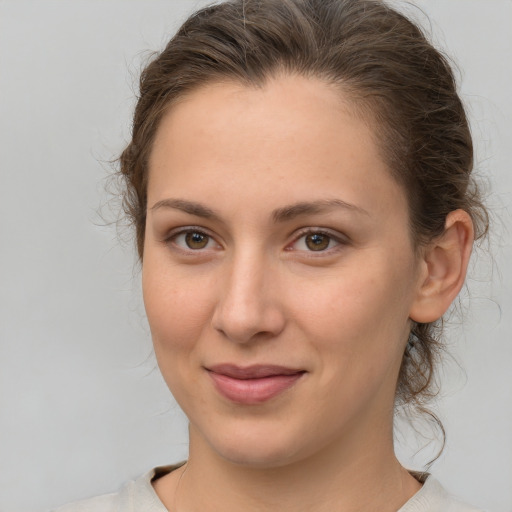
190	207
314	207
286	213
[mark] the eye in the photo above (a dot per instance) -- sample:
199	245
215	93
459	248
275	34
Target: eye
193	240
315	241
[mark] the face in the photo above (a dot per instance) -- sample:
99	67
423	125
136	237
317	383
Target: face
278	271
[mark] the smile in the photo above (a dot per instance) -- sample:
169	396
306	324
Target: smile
254	384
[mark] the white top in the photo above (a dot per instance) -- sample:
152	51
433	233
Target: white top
139	496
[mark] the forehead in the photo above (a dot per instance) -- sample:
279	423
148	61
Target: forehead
293	135
283	108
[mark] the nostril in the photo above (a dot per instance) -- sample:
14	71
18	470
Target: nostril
243	325
249	306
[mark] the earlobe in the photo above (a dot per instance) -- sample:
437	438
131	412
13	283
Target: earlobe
444	265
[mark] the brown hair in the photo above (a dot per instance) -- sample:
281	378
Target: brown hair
401	85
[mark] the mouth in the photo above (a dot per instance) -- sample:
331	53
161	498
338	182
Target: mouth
252	384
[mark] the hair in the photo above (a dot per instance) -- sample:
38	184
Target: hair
391	74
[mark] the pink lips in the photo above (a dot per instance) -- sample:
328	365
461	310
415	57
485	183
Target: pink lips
252	384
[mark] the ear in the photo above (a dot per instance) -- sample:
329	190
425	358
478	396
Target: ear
443	268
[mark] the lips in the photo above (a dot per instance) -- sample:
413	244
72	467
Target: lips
252	384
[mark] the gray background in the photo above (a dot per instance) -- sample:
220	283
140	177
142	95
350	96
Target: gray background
82	406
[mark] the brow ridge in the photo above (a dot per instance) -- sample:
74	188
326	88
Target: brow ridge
312	207
279	215
191	207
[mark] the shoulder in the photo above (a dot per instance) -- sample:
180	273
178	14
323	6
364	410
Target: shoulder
433	497
135	496
106	503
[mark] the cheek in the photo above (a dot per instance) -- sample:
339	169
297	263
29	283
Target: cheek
358	315
357	329
177	306
177	309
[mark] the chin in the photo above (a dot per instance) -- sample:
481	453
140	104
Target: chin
258	457
256	446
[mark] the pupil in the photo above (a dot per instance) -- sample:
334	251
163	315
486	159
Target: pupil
196	240
317	242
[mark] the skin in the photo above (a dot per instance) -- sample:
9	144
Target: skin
232	163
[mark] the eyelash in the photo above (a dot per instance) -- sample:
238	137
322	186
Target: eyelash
333	237
192	230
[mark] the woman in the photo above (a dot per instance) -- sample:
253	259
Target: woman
299	179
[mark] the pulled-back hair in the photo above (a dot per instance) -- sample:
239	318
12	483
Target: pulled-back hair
392	76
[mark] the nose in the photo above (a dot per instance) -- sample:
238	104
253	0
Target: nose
249	307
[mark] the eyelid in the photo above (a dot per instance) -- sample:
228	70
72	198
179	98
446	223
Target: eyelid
339	238
174	233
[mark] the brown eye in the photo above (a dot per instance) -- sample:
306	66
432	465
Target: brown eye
317	241
196	240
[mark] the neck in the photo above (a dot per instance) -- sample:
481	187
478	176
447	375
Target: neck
346	478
